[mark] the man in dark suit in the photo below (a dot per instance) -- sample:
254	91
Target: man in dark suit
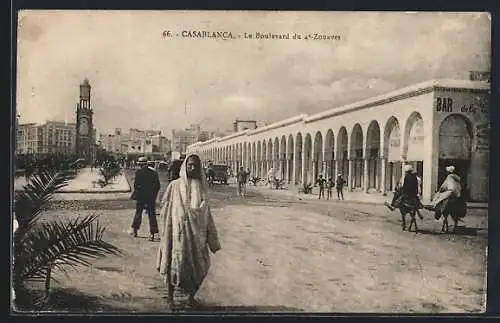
146	187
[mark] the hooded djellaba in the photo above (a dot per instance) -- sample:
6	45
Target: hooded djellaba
188	233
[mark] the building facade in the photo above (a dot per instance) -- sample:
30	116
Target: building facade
182	138
242	125
430	125
52	137
27	141
136	142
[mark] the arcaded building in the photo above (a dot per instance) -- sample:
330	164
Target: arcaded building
430	125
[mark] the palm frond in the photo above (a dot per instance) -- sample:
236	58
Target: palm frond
29	202
60	244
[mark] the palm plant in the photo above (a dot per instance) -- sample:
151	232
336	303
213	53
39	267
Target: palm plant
39	248
107	173
307	188
278	183
255	180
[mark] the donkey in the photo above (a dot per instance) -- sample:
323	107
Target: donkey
456	208
405	207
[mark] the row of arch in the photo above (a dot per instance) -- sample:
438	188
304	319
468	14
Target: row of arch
363	159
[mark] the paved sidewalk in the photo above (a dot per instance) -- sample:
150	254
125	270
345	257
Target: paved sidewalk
86	182
353	196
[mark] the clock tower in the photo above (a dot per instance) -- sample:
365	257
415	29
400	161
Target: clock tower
84	127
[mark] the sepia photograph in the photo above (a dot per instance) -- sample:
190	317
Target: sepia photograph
251	162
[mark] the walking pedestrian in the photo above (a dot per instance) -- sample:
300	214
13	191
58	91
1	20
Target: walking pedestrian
339	185
188	233
241	179
146	188
329	186
321	183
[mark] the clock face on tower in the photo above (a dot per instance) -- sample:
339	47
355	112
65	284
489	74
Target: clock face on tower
84	127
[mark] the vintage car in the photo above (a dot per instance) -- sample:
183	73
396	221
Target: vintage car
218	172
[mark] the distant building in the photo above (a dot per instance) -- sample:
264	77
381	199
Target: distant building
241	125
183	138
136	142
52	137
480	76
27	139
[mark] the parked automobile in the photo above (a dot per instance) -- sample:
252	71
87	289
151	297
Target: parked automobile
220	173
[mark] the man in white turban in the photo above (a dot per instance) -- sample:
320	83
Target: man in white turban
188	233
406	196
450	189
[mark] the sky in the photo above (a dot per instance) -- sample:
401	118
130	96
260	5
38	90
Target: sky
143	80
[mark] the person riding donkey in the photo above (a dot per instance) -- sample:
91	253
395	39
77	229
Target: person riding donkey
406	197
449	199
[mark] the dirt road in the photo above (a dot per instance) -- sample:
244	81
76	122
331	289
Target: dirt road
286	255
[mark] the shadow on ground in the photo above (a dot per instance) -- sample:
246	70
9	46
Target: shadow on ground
461	231
70	300
211	308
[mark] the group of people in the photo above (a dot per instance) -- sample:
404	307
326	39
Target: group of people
186	227
329	185
408	193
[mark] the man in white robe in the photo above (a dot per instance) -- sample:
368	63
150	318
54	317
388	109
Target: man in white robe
188	232
450	189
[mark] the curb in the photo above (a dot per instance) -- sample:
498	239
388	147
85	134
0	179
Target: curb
471	206
93	192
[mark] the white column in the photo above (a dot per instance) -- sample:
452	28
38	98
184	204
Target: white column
315	169
304	166
365	175
382	177
336	169
349	174
294	173
287	170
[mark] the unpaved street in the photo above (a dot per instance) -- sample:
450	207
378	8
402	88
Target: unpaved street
281	254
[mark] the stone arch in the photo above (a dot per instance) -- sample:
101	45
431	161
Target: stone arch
264	159
372	154
269	157
413	142
258	160
254	160
276	151
290	157
343	153
308	178
392	152
317	156
329	150
282	158
298	158
356	155
455	148
244	154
